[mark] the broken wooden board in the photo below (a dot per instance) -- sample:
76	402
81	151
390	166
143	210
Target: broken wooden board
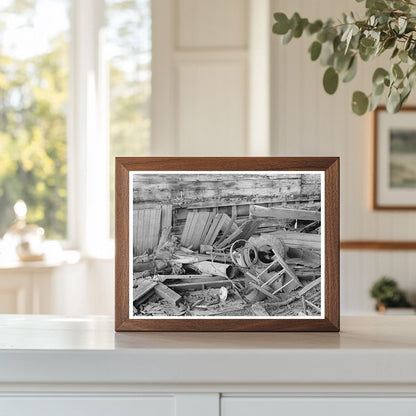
299	240
143	287
218	224
244	232
166	218
203	284
259	310
309	286
284	213
183	276
264	291
146	230
305	257
196	227
167	294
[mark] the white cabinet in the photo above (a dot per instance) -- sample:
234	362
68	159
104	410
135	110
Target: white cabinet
65	366
88	406
325	406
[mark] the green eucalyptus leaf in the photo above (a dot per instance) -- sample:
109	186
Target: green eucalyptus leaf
366	53
403	56
315	50
330	80
374	102
378	89
395	52
322	36
327	54
376	4
393	101
314	27
400	5
389	43
402	22
397	71
298	30
341	61
351	71
288	37
379	75
281	27
359	103
367	42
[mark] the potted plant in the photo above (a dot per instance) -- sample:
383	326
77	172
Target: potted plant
387	294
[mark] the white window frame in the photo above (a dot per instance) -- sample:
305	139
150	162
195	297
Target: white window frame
88	138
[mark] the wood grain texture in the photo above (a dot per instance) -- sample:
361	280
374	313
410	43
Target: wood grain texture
378	245
330	165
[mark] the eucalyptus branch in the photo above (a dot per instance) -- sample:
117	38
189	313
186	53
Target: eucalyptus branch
389	25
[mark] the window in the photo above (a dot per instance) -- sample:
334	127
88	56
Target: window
75	87
33	98
129	46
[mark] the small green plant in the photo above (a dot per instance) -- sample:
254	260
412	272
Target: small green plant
388	294
389	26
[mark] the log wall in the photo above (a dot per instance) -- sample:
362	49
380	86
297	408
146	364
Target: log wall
213	190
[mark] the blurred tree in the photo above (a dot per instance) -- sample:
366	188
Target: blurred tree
33	96
34	99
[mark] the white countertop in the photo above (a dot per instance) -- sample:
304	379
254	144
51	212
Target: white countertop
49	349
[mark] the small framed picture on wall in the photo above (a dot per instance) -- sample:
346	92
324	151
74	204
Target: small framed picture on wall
227	244
394	167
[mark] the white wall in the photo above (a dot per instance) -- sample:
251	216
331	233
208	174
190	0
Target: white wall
200	77
308	122
211	86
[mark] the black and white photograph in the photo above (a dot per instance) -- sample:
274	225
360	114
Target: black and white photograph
226	244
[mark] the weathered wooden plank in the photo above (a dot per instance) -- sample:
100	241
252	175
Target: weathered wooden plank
212	186
264	291
309	286
207	227
147	230
154	228
150	227
138	229
209	237
185	276
284	213
143	287
185	231
299	240
202	218
168	294
187	235
241	232
135	235
204	284
166	220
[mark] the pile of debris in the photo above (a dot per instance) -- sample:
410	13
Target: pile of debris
219	267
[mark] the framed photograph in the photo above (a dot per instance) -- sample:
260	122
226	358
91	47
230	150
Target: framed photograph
394	178
227	244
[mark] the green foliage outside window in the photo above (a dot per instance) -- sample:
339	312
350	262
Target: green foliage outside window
33	99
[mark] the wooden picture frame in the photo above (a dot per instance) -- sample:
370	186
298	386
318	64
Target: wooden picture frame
130	176
391	176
